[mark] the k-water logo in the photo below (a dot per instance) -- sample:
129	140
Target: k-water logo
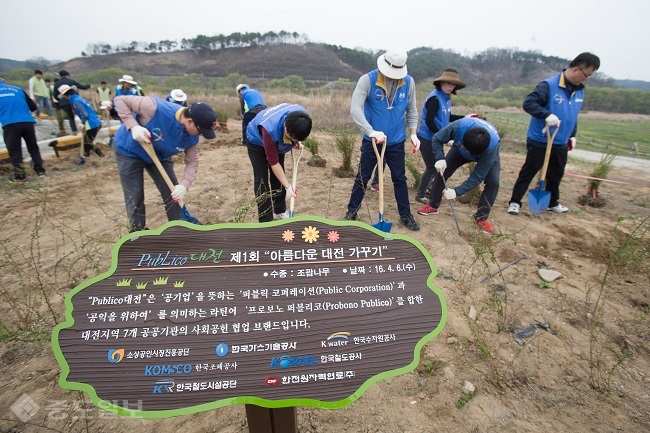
337	339
115	355
287	361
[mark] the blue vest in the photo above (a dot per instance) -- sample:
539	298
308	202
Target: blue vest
442	116
382	116
168	135
13	105
467	123
272	120
251	98
85	112
120	91
564	105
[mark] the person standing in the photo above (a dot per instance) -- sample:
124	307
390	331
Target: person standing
381	103
64	104
170	129
436	114
251	102
128	87
269	136
555	103
39	92
18	123
91	123
104	92
474	140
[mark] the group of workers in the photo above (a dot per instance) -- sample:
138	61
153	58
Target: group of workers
383	106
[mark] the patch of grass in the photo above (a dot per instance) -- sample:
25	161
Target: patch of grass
29	335
464	399
543	285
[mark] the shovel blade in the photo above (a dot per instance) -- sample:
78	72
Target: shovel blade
382	225
185	216
538	200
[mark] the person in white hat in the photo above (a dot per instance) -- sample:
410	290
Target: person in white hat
382	102
90	122
177	96
251	102
108	107
128	87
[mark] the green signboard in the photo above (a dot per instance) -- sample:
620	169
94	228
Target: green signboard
300	312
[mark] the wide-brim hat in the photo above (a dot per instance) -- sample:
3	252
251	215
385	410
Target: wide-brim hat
127	79
450	76
63	89
106	105
241	86
204	117
178	95
393	64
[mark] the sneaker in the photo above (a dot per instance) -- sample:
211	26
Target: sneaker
374	187
513	209
422	199
485	226
281	216
41	174
558	209
14	179
427	210
98	151
350	216
409	222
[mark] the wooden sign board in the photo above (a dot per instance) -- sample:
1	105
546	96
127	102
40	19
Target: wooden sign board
300	312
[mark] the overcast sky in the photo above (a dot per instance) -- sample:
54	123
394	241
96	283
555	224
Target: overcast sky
617	31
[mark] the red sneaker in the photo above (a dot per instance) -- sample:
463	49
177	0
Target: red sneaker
427	210
485	226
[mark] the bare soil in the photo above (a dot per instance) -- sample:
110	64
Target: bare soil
58	231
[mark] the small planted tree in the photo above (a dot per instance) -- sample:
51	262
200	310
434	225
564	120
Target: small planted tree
311	144
345	140
592	197
222	120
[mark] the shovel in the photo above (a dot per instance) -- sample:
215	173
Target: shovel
185	214
382	225
294	179
451	204
539	199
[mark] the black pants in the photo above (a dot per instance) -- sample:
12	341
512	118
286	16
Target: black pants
269	192
533	164
13	134
67	109
89	139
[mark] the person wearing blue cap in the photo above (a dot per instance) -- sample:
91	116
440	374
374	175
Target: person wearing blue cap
170	129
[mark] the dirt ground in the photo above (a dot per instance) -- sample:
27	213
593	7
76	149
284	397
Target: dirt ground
58	231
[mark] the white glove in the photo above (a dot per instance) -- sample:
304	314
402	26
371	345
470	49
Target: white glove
471	115
141	134
449	193
450	143
416	142
553	120
379	136
572	143
298	145
440	165
178	193
291	192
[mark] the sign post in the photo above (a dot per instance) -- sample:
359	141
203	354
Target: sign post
299	312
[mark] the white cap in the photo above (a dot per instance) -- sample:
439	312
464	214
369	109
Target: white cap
106	105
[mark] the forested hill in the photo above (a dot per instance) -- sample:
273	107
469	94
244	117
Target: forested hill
276	55
485	71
